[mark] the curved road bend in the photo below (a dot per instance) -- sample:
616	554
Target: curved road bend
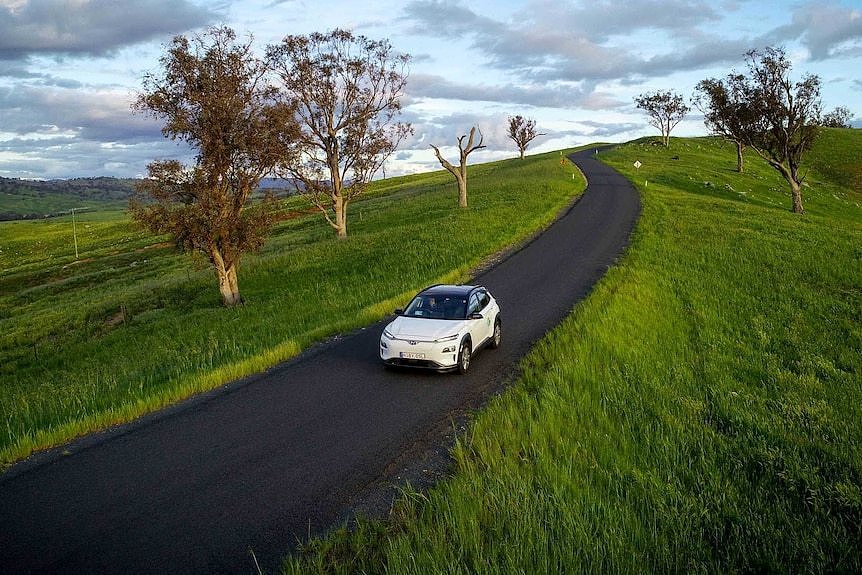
267	460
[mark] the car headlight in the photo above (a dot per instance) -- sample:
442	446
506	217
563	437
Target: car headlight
452	337
387	334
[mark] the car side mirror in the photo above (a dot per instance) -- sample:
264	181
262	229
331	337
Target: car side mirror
475	315
398	311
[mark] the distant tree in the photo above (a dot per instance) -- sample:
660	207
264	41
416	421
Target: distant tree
724	111
838	118
665	108
348	91
460	171
522	131
212	95
781	117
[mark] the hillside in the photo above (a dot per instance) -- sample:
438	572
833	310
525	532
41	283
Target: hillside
27	199
82	342
699	412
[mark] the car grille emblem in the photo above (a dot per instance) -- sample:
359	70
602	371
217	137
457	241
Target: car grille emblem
412	342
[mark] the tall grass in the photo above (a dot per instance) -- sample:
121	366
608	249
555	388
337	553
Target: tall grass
701	411
133	326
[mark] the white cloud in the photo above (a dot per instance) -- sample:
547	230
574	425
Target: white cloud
95	114
91	27
559	95
826	29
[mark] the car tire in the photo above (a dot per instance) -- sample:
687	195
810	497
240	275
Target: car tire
497	336
465	356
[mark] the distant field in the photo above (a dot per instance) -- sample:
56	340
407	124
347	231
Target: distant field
700	412
32	206
133	325
38	199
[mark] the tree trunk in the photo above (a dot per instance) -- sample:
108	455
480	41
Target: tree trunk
522	153
462	190
227	282
792	178
228	286
340	209
796	192
740	147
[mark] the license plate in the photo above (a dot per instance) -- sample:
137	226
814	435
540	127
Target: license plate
411	355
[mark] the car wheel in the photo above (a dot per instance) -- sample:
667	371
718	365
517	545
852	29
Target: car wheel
497	336
465	356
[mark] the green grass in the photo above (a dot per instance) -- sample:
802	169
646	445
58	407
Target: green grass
31	205
701	411
838	162
72	361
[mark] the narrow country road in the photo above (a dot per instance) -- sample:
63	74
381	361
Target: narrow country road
262	463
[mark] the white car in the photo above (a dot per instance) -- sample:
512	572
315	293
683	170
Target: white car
442	328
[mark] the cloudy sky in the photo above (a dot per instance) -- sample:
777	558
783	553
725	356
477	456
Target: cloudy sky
69	69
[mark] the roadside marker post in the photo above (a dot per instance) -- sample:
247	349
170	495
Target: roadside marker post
75	233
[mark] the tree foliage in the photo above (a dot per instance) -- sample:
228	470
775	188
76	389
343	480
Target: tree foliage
665	109
781	117
725	112
347	90
460	171
522	131
838	118
212	94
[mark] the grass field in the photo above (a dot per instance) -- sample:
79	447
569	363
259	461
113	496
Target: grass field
34	206
42	198
133	326
700	412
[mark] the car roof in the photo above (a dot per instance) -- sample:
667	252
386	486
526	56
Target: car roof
449	289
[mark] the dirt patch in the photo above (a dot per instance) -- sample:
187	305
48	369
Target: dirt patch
154	246
78	262
121	317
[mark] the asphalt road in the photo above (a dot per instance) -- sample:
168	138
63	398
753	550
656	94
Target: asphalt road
264	462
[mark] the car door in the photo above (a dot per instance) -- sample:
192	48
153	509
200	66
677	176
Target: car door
478	331
488	312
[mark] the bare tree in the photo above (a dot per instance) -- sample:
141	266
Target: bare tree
838	118
348	93
460	172
665	108
725	112
212	94
782	116
522	131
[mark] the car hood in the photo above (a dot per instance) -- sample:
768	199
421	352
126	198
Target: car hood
422	329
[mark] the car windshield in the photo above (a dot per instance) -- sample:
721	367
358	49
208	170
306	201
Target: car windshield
436	306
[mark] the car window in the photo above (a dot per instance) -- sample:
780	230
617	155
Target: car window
484	299
474	304
437	307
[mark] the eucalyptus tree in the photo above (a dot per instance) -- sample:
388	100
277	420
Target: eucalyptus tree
781	116
522	131
460	171
838	118
725	111
212	93
665	109
346	90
